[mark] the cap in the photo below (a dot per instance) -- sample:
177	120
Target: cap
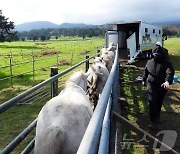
159	43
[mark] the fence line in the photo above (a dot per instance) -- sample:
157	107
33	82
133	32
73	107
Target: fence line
8	104
11	102
33	61
90	141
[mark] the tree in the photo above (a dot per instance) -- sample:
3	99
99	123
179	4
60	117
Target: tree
5	28
35	38
43	38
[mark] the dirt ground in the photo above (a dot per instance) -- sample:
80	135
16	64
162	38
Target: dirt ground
134	107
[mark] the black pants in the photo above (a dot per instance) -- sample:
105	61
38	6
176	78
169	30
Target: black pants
156	96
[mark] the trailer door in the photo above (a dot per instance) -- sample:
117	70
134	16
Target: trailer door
131	45
111	37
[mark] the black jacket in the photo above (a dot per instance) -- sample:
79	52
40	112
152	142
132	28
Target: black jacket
157	73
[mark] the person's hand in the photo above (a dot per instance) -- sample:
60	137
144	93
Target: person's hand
165	85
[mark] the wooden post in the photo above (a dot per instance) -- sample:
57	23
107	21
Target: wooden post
11	73
33	68
98	51
87	63
54	85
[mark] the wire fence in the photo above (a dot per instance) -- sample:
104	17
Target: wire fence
16	65
35	98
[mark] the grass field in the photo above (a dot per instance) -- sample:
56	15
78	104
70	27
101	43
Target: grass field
64	53
13	121
72	50
135	104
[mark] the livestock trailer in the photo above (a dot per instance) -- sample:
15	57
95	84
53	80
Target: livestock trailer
137	37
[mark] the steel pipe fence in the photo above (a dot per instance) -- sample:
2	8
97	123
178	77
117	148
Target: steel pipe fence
24	97
91	139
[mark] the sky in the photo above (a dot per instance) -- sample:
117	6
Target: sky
90	11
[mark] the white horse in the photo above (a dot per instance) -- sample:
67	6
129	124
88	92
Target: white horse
96	80
108	58
63	120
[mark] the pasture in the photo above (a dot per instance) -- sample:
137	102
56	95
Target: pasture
30	61
13	121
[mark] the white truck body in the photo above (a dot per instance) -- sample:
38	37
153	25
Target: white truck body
136	36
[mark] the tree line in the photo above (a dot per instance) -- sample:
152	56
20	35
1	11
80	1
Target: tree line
46	34
172	31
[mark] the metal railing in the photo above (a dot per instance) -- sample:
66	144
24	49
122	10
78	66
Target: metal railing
11	102
91	139
8	104
96	127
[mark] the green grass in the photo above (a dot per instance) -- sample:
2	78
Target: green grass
173	46
13	121
136	109
71	50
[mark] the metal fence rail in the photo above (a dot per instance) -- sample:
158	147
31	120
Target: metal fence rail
15	100
9	148
90	141
8	104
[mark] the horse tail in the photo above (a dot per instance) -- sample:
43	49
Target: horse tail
52	141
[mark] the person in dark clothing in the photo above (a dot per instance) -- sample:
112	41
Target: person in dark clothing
158	75
164	51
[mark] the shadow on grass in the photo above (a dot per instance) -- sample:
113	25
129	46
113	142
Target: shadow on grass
136	110
10	89
175	61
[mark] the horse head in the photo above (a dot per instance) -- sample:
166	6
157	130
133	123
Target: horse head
80	79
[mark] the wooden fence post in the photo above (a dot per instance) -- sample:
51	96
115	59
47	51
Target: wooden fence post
87	63
57	59
11	73
54	85
33	65
98	51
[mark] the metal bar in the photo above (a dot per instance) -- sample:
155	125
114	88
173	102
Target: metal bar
6	105
29	147
45	58
136	129
115	127
90	141
22	63
34	97
4	66
17	64
11	146
104	141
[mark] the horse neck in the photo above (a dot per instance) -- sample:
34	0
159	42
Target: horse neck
80	82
